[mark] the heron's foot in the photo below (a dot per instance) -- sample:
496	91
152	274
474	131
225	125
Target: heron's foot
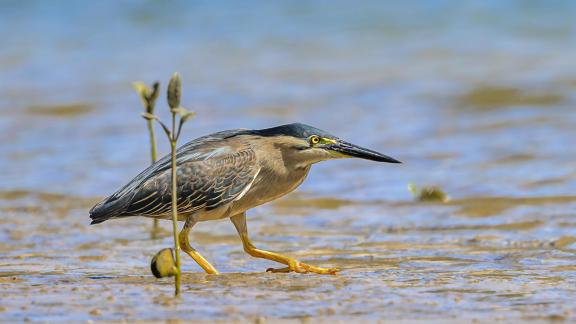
300	267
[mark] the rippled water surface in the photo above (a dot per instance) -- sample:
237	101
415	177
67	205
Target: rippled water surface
477	99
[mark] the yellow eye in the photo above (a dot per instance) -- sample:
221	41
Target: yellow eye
314	139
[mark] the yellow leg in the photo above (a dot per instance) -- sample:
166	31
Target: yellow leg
186	247
294	265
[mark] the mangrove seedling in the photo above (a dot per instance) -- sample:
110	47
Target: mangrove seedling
148	97
173	95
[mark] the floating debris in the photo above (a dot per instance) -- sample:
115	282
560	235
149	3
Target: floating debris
428	194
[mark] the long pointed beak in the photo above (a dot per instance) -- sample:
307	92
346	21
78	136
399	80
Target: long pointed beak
356	151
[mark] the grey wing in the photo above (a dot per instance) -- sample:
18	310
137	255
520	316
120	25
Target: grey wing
200	149
152	184
202	184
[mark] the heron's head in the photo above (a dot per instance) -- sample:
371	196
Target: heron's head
307	145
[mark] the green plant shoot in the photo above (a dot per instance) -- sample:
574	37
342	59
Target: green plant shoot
173	95
148	97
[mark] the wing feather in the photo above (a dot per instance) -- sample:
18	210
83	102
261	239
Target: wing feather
212	171
216	181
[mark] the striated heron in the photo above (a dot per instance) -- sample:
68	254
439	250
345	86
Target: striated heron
222	175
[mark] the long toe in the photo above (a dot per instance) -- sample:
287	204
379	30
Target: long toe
279	270
318	270
293	266
304	268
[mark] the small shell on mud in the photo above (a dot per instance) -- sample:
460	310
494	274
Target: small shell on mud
163	264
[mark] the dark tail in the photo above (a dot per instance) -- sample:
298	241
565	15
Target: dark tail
106	209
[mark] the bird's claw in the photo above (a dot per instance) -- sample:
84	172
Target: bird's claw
300	267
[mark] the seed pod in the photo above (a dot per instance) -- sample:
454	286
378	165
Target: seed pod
174	91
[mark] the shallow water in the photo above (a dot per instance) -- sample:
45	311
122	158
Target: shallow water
476	99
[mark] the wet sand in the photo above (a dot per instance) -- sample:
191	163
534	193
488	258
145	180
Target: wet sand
468	260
